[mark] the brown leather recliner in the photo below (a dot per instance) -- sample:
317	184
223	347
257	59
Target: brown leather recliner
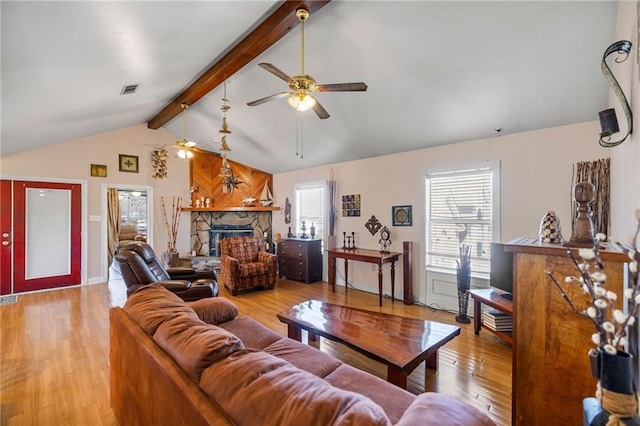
140	266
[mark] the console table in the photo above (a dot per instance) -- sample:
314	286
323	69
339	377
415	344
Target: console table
362	255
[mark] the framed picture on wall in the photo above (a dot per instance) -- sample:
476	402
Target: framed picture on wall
99	170
401	215
128	163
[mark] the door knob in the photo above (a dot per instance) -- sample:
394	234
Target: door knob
5	243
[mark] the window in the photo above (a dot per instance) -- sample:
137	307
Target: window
311	208
461	208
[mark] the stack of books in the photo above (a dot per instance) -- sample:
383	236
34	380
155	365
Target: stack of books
497	321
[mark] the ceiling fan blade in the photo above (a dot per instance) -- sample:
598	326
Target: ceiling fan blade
342	87
268	98
275	71
320	111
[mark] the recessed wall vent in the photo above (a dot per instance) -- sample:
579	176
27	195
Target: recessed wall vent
127	90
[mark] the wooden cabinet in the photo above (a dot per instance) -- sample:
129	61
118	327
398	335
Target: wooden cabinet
300	259
551	370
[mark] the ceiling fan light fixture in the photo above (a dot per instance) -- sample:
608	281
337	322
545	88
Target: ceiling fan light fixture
301	102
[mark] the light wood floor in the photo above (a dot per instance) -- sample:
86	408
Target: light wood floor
55	352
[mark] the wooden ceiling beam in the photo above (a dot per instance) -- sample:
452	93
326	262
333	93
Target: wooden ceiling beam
272	29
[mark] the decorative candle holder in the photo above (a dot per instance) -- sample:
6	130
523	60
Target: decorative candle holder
304	231
344	241
313	231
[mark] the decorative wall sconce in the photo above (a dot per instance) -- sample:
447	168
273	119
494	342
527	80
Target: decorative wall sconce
608	119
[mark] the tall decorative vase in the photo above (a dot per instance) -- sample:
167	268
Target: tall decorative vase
616	402
550	228
463	281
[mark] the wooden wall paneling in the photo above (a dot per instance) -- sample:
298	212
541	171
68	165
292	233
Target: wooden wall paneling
205	178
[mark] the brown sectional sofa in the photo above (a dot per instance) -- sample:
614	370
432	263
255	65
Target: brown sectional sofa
197	363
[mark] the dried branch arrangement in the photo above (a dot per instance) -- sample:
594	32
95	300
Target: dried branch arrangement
172	228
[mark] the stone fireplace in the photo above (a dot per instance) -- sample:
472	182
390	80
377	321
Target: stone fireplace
205	225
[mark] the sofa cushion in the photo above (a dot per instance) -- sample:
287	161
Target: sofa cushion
153	304
303	356
251	332
393	400
194	344
449	411
214	310
254	387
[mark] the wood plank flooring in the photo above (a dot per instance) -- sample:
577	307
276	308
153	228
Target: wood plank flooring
54	352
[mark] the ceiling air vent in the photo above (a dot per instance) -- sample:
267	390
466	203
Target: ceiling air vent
127	90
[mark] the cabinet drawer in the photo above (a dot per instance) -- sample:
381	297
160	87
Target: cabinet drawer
292	249
294	272
289	263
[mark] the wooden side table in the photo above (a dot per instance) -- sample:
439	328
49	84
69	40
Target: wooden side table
491	297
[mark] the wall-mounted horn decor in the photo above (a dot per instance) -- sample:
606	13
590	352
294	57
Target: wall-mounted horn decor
608	119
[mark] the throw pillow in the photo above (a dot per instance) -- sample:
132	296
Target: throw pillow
214	310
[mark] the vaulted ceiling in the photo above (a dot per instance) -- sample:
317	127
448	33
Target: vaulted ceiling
437	73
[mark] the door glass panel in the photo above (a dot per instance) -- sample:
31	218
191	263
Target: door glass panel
133	209
48	232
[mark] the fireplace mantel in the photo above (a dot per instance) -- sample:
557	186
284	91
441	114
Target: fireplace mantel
231	209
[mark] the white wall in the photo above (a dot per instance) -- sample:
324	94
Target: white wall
536	172
625	158
73	159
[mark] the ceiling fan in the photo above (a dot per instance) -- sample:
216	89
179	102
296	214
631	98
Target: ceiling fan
185	146
303	84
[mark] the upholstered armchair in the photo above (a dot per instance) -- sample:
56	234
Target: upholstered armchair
140	266
243	264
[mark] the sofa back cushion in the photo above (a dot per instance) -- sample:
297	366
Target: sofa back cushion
214	310
254	387
194	344
152	305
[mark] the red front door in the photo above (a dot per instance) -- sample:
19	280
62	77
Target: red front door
46	235
6	269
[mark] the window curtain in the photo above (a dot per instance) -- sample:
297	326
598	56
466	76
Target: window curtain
598	173
113	229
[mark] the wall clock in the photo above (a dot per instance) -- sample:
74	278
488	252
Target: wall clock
128	163
401	215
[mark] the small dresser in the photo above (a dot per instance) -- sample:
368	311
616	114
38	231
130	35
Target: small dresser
300	259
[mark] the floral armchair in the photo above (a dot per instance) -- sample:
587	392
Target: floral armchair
243	264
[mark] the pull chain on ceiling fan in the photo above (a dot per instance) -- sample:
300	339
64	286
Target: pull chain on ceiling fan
185	145
303	85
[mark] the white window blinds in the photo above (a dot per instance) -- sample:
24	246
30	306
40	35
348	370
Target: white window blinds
311	208
459	206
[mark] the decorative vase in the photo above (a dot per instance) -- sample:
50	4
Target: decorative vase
463	282
615	394
463	305
171	259
550	228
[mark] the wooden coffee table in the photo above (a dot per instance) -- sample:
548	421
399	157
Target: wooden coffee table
400	343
